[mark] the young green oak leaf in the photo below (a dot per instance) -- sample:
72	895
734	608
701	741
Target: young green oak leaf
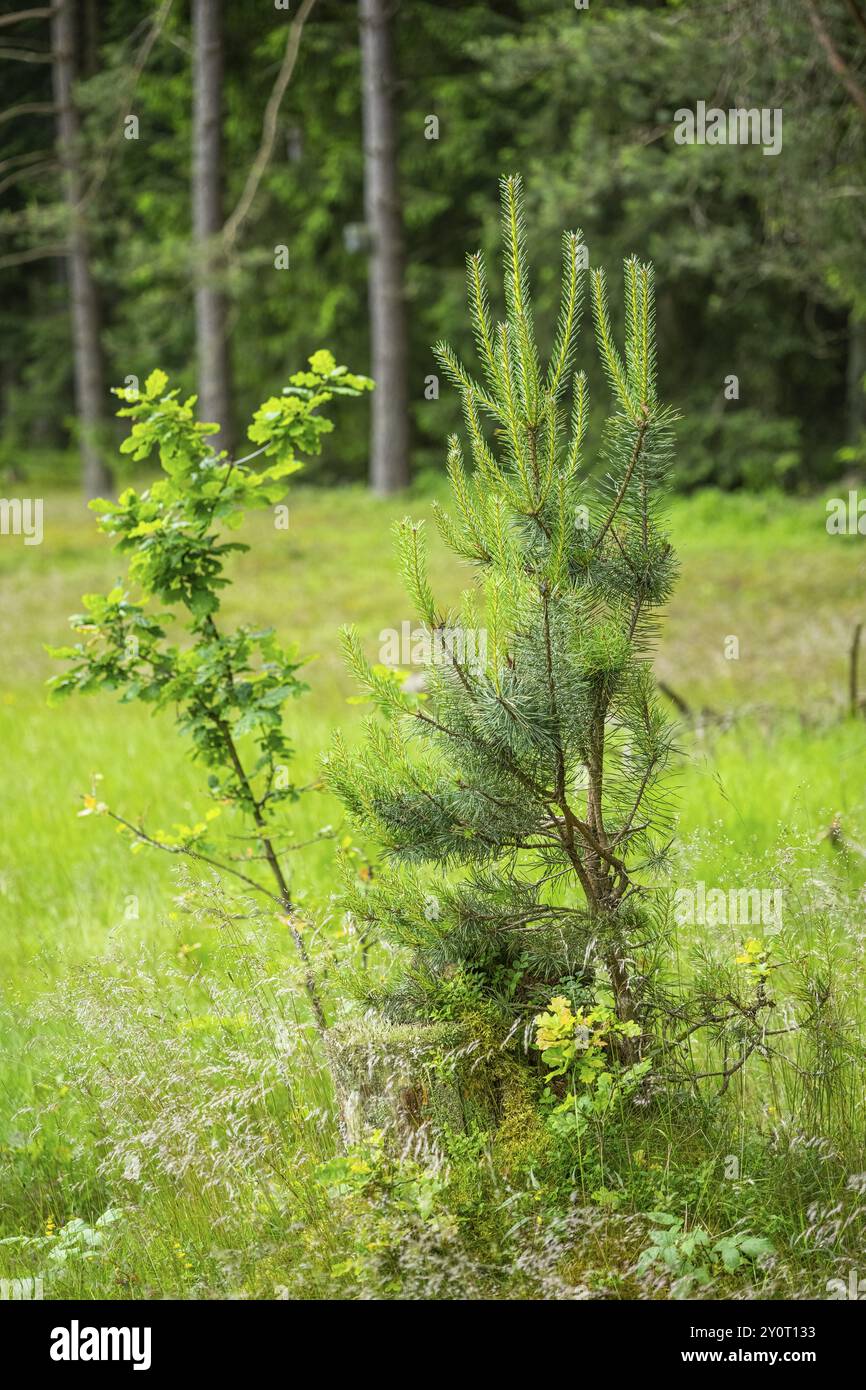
227	687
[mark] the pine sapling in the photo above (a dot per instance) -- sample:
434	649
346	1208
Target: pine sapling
519	800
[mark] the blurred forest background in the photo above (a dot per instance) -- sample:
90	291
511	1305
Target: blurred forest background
219	189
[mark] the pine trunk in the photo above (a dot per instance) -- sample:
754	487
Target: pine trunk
389	439
211	307
90	393
856	389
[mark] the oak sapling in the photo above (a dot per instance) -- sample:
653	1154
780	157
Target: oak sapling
527	795
228	687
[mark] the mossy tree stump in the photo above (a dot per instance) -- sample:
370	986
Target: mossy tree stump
410	1079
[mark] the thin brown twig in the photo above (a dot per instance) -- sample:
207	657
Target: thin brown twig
42	12
834	57
269	127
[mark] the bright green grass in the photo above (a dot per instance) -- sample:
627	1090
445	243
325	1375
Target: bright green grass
763	570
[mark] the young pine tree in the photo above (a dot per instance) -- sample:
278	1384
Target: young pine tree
518	801
228	687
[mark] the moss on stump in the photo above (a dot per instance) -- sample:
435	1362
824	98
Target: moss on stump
410	1078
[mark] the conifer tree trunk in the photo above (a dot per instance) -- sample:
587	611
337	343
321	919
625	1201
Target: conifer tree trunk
90	391
856	394
211	308
389	437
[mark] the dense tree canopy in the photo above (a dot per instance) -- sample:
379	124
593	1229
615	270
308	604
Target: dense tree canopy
757	257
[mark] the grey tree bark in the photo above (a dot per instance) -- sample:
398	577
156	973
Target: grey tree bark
211	305
389	436
90	393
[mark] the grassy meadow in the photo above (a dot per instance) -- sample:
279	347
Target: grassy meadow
158	1075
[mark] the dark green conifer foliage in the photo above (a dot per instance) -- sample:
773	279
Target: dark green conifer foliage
520	801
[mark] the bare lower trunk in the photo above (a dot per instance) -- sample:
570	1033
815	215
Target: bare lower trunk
90	393
622	995
211	307
856	372
389	440
607	887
